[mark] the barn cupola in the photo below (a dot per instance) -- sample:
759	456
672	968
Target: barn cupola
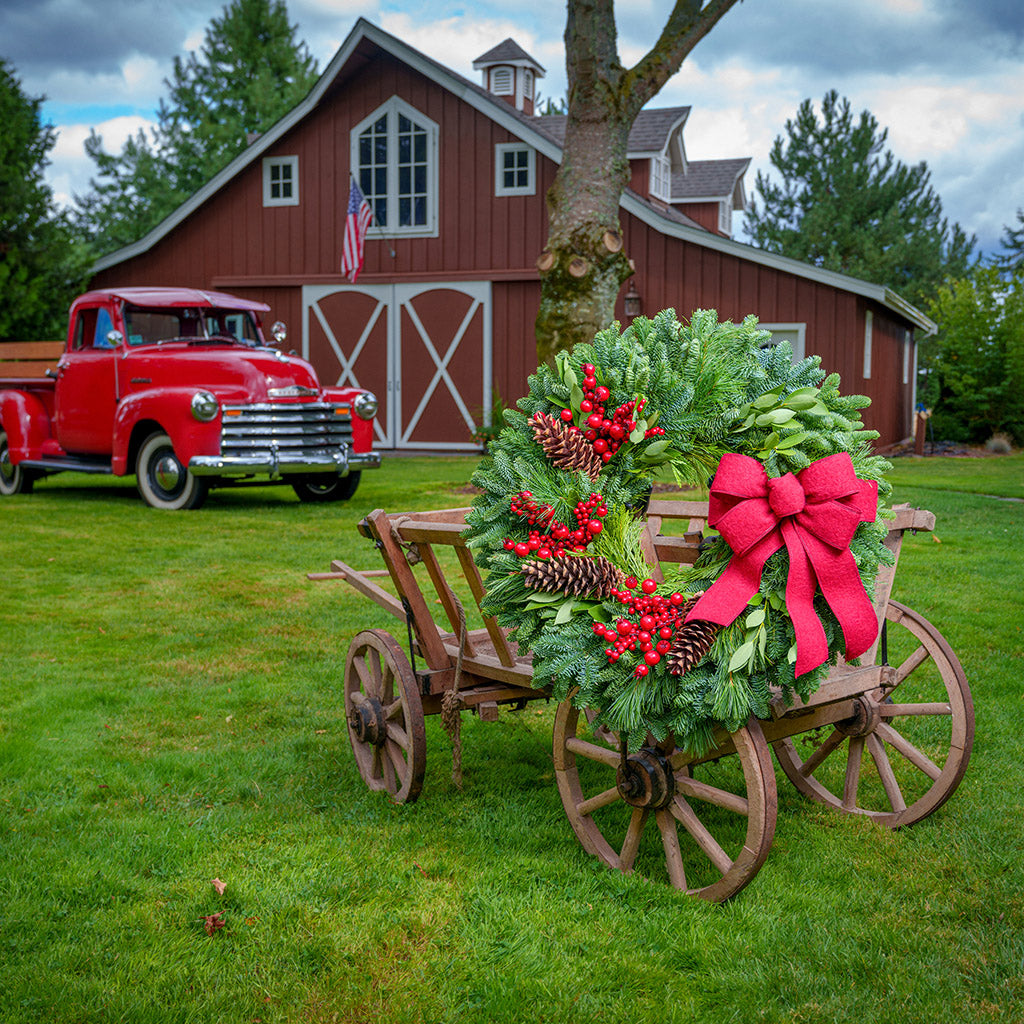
511	73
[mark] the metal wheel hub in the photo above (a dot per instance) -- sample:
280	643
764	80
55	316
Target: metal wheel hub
864	720
645	779
167	472
368	721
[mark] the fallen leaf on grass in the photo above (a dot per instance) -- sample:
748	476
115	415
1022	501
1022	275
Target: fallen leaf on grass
936	539
213	922
218	885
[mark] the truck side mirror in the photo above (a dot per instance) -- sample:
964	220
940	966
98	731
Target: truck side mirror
114	339
279	332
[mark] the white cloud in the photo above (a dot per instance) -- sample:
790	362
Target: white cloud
70	169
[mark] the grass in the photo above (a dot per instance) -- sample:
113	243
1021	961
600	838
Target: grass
170	713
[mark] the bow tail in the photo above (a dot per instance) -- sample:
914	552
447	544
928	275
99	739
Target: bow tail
841	585
801	583
739	582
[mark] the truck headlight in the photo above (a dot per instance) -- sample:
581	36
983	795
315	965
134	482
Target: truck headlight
365	405
204	406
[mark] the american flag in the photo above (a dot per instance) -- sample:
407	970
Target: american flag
357	223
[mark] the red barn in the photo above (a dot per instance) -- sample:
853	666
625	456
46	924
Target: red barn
442	315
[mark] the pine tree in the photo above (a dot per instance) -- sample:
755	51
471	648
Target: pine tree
41	265
1011	260
845	203
249	72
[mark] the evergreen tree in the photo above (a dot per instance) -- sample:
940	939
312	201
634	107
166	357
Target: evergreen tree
249	72
1011	259
586	265
845	203
974	366
41	266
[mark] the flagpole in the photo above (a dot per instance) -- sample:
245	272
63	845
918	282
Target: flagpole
373	212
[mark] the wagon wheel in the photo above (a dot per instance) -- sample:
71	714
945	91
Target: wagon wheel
385	716
711	825
905	750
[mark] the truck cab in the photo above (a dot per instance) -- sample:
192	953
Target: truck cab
180	387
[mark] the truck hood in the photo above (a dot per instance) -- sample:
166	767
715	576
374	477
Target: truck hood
231	372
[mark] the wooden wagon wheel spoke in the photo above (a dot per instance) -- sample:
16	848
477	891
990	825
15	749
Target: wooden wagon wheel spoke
712	794
852	778
385	716
637	821
916	757
885	773
832	742
918	734
685	815
673	854
610	797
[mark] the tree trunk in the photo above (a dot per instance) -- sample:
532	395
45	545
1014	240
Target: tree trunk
583	266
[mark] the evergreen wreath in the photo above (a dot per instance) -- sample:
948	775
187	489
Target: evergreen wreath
565	486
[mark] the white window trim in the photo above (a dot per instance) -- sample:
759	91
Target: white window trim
279	161
661	183
530	188
907	343
725	216
397	106
511	72
800	329
869	324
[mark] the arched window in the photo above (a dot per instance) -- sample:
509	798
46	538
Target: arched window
394	160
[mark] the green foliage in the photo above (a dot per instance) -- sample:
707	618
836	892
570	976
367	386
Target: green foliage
249	72
975	363
41	266
713	390
844	203
1011	260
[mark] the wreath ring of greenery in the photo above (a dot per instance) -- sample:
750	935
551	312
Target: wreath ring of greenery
557	527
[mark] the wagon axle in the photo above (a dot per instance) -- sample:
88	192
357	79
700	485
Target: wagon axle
368	721
645	779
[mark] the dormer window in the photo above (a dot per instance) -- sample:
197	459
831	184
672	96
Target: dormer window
502	82
661	178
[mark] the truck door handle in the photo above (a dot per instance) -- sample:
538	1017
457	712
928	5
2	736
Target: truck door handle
52	373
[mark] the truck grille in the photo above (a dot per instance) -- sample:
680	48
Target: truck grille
314	428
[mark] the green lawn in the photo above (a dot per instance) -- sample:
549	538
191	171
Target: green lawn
170	713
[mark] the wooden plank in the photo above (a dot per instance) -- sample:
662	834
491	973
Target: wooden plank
840	684
427	634
25	370
390	603
444	593
476	586
31	350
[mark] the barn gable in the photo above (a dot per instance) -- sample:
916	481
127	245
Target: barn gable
442	314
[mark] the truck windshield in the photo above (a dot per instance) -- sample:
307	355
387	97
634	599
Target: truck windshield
151	326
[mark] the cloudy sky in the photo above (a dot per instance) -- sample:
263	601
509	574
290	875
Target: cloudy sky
945	76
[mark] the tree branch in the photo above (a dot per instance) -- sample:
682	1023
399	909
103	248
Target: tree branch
687	25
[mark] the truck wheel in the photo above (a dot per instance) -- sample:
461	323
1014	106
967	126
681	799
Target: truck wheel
13	479
335	489
163	481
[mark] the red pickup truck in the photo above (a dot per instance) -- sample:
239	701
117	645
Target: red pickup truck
180	387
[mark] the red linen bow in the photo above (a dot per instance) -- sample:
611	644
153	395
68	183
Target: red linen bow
815	514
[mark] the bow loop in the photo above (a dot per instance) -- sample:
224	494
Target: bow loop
815	514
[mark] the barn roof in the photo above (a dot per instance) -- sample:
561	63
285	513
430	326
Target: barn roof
709	179
649	133
528	130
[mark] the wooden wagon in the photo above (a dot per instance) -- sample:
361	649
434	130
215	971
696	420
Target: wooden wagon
889	739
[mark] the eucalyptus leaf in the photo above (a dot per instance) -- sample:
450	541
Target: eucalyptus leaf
741	656
791	654
657	447
774	418
755	618
636	436
575	396
762	641
565	612
793	440
569	376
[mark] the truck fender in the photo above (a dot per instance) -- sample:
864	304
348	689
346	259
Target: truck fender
25	420
166	409
362	430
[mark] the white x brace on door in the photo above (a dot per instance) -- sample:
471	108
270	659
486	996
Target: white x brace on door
423	349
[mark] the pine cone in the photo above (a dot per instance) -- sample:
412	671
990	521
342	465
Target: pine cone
573	576
567	449
692	642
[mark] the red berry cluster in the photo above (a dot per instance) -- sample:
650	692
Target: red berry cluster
606	433
557	538
653	622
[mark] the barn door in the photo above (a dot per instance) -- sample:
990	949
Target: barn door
423	349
